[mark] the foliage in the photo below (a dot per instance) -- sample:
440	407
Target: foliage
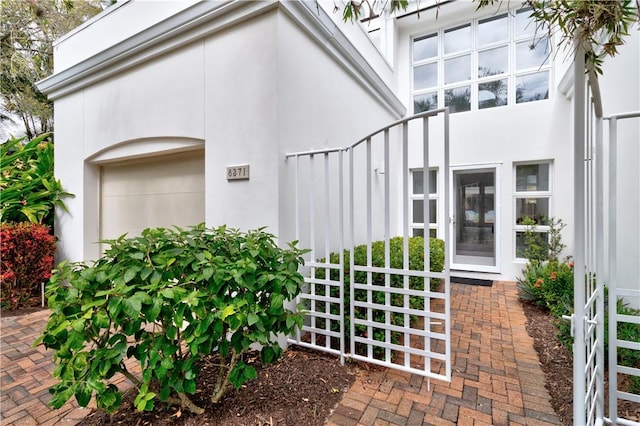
27	32
353	9
167	298
630	332
548	284
26	262
539	246
396	260
545	280
599	25
30	191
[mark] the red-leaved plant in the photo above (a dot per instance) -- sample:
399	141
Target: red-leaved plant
27	260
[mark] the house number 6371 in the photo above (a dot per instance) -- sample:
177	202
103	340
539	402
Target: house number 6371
238	172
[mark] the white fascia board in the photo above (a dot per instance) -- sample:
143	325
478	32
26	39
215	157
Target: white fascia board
173	32
205	18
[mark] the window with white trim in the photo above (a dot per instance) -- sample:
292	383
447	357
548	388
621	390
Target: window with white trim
417	205
533	200
486	63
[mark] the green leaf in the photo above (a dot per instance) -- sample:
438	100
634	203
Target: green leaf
277	301
83	395
228	310
132	307
156	277
250	373
252	318
130	274
154	310
207	273
78	325
167	363
167	293
190	386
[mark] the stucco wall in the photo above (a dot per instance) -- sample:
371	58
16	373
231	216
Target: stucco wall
242	92
620	87
97	34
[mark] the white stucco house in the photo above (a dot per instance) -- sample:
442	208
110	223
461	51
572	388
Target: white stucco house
155	101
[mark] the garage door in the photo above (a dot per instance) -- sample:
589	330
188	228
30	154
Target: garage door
163	191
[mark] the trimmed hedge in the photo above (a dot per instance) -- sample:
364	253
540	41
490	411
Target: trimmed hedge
396	258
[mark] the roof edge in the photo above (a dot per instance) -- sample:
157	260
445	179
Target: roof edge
205	18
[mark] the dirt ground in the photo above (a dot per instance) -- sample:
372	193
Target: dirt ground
300	389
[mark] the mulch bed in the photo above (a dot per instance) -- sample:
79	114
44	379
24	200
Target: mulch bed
302	388
556	360
557	364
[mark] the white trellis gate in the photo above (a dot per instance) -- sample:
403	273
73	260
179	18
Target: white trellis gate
374	306
595	262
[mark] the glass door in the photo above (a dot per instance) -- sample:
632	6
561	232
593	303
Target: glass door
475	228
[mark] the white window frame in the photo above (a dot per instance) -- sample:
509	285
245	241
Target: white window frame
433	226
511	75
548	194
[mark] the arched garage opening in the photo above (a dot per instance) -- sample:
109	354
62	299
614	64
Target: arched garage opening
160	190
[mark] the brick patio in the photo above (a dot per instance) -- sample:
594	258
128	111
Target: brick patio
496	376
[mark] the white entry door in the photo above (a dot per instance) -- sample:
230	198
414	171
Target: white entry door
476	219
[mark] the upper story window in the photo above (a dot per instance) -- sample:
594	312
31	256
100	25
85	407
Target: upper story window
483	64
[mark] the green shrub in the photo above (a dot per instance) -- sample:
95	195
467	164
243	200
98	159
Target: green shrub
30	191
628	357
548	284
26	262
396	258
167	298
543	246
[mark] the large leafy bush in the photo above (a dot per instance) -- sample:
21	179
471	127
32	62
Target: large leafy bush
167	298
30	191
26	261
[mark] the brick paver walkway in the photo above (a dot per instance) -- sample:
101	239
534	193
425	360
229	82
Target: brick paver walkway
496	376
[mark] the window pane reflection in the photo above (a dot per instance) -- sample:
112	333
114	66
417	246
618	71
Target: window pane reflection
532	87
418	188
425	76
533	208
425	47
530	54
457	69
532	177
492	93
425	102
524	24
457	39
493	61
493	30
521	245
418	211
458	99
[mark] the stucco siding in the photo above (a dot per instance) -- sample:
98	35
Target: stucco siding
160	98
241	118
